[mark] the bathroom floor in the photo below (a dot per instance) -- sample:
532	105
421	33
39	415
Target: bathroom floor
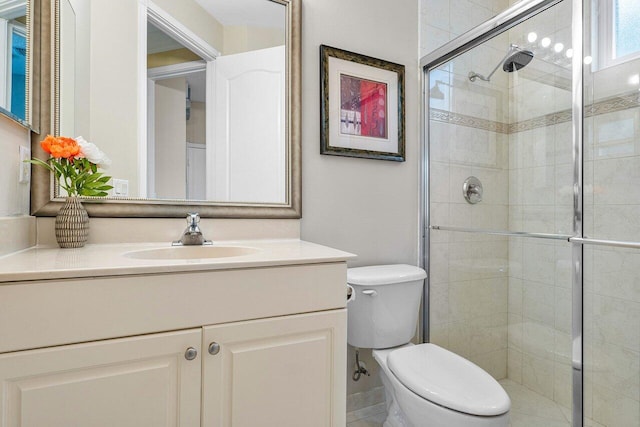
528	409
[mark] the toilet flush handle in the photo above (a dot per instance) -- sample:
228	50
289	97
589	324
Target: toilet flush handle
370	292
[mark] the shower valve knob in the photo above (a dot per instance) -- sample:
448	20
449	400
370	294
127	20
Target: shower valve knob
472	190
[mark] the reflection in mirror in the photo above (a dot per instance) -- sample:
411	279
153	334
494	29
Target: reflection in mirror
176	119
195	110
13	59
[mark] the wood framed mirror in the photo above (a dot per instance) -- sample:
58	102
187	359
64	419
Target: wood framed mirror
230	153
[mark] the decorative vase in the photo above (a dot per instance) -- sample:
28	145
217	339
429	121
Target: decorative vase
72	224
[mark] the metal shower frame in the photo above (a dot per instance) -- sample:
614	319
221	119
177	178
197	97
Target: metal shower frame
511	17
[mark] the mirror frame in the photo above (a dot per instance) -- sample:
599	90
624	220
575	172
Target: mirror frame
45	103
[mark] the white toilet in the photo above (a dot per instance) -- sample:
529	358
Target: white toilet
425	385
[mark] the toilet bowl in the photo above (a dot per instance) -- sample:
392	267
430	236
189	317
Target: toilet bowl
425	385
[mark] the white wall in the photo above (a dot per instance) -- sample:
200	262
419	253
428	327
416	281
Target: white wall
243	38
17	229
77	81
192	15
368	207
113	107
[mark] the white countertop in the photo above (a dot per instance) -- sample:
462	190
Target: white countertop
41	263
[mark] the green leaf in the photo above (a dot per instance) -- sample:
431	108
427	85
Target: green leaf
39	162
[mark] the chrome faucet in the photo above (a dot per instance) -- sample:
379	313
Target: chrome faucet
192	234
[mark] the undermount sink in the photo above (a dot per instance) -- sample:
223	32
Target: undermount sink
192	252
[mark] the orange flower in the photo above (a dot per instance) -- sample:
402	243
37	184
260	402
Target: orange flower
60	147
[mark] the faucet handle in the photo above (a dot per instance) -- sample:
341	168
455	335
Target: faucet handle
193	218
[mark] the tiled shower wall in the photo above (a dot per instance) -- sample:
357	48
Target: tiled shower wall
529	187
468	282
541	201
612	275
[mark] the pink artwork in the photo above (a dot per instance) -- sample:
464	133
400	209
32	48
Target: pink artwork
363	107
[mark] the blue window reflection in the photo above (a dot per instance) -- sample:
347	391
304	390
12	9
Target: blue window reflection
18	74
627	22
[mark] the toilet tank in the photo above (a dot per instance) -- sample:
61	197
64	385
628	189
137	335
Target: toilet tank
384	312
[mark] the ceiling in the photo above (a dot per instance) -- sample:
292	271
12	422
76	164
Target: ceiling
258	13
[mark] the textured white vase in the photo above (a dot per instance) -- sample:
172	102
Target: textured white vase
72	224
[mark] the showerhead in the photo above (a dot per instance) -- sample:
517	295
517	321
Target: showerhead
515	59
518	59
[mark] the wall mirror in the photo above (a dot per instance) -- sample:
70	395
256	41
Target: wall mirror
196	103
14	60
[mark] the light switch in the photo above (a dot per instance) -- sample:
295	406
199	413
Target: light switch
121	187
24	169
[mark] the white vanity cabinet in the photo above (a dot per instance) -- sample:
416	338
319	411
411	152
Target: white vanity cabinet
284	372
114	350
130	382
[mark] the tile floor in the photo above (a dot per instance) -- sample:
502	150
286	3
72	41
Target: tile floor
528	409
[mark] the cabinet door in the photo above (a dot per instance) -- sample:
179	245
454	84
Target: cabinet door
130	382
278	372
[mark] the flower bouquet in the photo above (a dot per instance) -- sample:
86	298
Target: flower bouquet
74	163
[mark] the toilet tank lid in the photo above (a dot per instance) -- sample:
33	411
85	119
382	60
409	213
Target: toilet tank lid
384	274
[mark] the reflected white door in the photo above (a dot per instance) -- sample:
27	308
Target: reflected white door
249	154
196	171
170	135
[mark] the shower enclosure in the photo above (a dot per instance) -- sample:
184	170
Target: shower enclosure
532	207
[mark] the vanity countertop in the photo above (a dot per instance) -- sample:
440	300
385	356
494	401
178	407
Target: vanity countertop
97	260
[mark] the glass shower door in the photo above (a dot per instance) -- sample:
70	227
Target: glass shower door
612	214
499	258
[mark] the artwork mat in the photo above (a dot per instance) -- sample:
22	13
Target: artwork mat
364	72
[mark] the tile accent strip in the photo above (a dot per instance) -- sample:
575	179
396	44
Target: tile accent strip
468	121
540	122
608	105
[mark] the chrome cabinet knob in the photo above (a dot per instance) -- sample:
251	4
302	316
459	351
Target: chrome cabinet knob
214	348
191	353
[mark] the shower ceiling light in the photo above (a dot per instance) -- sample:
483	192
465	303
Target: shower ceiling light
558	47
569	53
588	60
545	42
532	37
635	79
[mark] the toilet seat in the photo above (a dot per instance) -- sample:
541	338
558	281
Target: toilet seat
448	380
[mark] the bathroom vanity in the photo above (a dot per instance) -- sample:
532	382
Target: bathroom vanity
119	335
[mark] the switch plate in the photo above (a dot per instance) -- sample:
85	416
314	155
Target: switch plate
121	187
24	169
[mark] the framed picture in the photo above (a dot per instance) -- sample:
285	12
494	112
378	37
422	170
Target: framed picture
362	106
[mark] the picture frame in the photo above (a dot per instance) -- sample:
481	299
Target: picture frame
362	111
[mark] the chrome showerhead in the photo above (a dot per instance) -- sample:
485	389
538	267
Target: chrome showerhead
515	59
520	58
